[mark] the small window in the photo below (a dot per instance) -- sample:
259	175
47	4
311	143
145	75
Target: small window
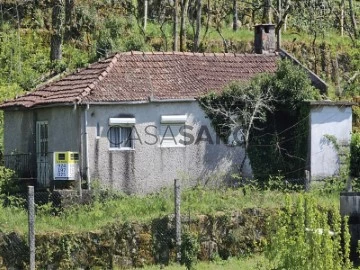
120	133
171	130
170	135
120	137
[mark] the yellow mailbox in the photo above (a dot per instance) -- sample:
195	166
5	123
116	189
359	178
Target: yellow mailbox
66	165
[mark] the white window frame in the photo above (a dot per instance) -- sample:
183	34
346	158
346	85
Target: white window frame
120	123
171	125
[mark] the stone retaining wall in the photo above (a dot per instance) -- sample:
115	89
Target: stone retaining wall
126	245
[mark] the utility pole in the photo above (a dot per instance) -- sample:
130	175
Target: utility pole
31	221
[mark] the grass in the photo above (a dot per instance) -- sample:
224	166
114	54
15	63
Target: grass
243	34
145	208
247	263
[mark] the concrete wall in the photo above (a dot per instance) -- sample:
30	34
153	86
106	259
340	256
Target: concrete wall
328	120
63	132
63	128
19	132
148	168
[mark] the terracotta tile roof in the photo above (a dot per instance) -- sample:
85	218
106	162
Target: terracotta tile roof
140	76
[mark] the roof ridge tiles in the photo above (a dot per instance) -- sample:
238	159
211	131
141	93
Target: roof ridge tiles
224	54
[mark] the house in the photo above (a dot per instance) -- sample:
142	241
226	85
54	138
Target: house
91	114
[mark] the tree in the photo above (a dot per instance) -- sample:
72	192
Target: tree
239	108
312	17
198	25
235	15
269	115
145	14
69	10
353	19
175	25
220	10
183	12
266	17
57	30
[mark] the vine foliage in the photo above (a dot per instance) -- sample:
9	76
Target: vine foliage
277	139
304	237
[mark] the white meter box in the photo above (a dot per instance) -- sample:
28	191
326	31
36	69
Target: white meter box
66	165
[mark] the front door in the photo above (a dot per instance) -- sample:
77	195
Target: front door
42	154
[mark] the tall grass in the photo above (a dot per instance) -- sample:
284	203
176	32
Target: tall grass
247	263
127	208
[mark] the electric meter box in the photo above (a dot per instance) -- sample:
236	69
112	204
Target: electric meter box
66	165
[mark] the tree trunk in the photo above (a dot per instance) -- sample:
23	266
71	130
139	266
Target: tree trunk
184	8
315	53
2	13
175	26
353	19
336	76
69	8
145	13
342	17
266	12
278	34
235	15
198	26
57	30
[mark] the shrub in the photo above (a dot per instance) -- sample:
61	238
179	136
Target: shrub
189	250
304	237
355	155
7	183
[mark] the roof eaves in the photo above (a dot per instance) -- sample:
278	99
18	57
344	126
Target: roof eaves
332	103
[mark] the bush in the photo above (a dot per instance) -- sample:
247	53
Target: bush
7	183
304	237
189	250
355	155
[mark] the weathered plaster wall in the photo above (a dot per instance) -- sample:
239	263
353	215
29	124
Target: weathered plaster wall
20	136
148	168
328	120
19	132
63	128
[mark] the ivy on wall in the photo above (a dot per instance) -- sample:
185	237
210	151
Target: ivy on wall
279	144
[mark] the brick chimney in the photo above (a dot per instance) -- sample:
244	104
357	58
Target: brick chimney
265	41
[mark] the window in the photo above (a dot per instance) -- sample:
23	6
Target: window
120	133
120	137
171	135
171	130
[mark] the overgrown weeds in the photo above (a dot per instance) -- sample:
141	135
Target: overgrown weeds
122	208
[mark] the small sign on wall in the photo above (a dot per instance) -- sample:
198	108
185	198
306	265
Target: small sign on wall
66	165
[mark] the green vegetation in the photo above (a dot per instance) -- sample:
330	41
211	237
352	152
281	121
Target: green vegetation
314	33
305	237
189	249
247	263
272	115
355	155
124	208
